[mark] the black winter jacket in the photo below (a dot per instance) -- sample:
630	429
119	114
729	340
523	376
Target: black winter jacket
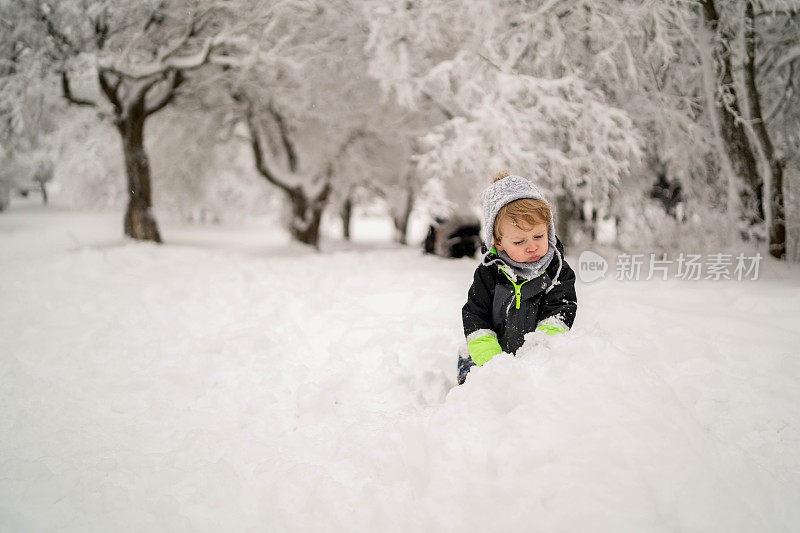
492	302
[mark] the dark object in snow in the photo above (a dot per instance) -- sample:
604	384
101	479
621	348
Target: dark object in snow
454	237
670	194
465	363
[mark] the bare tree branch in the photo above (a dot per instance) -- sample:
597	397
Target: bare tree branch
791	13
262	166
62	41
101	30
169	94
155	17
191	30
438	105
67	92
112	93
288	144
787	90
793	55
753	95
351	139
139	92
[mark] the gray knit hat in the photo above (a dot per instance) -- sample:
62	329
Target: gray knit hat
503	192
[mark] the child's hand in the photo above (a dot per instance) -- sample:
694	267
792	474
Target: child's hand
544	335
550	329
551	326
482	349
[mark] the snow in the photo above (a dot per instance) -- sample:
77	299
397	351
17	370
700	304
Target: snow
231	381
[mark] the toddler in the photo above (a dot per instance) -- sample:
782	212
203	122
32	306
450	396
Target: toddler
523	283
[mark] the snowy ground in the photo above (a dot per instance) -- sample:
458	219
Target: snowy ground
229	381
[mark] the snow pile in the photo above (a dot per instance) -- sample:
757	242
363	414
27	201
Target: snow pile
235	383
590	437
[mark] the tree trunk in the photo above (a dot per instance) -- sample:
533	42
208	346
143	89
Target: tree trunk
773	205
401	221
737	146
139	221
564	212
5	194
791	177
307	215
347	216
777	228
306	231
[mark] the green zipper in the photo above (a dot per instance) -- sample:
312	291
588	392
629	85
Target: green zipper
517	288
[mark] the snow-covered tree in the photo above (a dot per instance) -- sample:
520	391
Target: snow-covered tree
749	49
728	62
128	60
29	113
373	170
772	85
308	110
570	91
307	187
383	165
513	94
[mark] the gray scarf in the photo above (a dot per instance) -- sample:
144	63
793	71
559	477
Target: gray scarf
528	270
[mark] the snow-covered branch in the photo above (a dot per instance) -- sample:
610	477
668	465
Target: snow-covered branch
158	68
168	93
286	140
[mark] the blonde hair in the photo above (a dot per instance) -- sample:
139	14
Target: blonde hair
525	212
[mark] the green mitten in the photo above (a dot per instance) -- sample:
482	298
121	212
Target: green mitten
550	329
482	349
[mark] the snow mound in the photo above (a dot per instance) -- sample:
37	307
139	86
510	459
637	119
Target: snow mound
230	382
590	438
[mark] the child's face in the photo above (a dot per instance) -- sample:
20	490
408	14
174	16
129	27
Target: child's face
523	244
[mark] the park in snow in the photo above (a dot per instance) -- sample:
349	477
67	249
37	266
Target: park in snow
231	381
